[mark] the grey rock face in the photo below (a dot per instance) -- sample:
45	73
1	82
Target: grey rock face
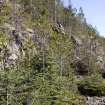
1	1
76	40
100	63
95	101
15	45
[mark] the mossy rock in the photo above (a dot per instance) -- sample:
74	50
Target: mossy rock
80	67
92	86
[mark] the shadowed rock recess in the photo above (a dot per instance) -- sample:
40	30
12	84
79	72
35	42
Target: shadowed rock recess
49	55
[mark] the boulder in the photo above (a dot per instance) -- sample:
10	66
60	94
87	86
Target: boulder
12	57
95	100
29	31
2	2
100	66
99	59
59	29
80	66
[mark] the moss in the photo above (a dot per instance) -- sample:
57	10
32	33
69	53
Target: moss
92	86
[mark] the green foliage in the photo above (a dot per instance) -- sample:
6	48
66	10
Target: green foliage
40	64
93	86
44	76
4	13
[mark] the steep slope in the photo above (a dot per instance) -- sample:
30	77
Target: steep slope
49	58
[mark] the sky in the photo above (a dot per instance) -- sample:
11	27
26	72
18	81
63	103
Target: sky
94	11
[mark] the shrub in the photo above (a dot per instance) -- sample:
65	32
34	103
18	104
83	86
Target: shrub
40	65
92	86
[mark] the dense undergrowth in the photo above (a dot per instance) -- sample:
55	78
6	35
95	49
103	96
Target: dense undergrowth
46	74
